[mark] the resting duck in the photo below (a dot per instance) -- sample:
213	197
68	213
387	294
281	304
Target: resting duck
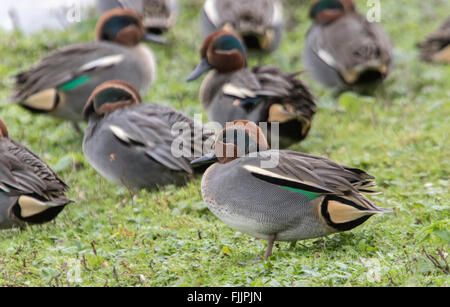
158	16
281	195
258	22
30	192
343	49
232	91
130	143
61	82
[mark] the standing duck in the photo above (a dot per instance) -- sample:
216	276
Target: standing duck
30	192
231	91
258	22
436	48
343	49
61	82
281	195
130	143
158	16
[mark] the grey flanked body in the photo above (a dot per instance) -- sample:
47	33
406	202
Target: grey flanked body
130	143
219	106
259	208
132	164
258	22
263	209
136	65
30	192
315	66
348	51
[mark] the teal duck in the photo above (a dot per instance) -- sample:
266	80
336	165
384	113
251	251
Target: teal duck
232	91
158	16
297	196
130	143
30	192
61	82
343	49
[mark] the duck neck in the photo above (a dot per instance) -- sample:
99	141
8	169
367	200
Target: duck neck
146	55
212	84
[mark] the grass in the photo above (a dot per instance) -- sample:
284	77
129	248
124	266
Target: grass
169	238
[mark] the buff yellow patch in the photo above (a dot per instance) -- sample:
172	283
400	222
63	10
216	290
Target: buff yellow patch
30	206
342	213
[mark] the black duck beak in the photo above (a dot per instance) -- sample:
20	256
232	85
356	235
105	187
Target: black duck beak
206	159
201	68
155	38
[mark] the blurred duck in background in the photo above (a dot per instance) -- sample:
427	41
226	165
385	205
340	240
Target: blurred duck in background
158	16
436	47
30	192
258	22
130	143
60	84
231	91
343	49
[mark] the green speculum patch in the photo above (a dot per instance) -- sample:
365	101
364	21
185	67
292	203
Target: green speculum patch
74	83
309	195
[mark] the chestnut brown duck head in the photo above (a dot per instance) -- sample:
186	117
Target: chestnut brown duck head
124	27
222	51
238	139
110	96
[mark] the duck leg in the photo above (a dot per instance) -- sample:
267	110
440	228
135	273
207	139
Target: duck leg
293	243
270	241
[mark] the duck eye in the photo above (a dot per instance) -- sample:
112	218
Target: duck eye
233	136
228	136
239	138
116	23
